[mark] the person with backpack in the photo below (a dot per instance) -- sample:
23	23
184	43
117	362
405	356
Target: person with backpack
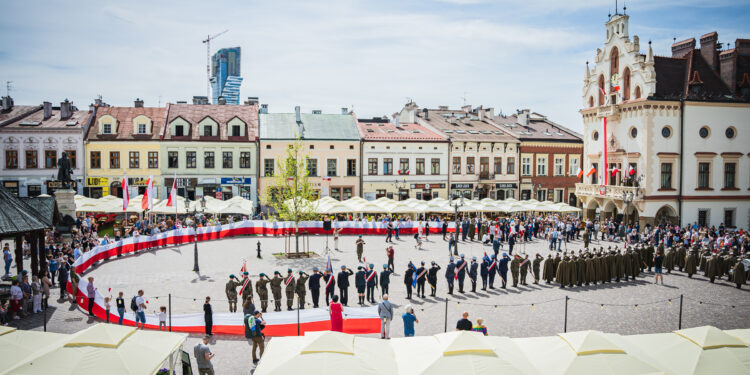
138	305
254	325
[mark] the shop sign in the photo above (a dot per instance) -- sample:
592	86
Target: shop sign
219	195
140	181
182	182
505	186
236	180
462	186
59	185
97	181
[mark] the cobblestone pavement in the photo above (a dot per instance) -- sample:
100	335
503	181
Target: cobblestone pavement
532	310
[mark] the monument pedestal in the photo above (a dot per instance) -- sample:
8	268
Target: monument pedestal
66	205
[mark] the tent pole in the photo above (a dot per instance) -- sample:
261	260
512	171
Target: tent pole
446	314
170	312
679	324
565	327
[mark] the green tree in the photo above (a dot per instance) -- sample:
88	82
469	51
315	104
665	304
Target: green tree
290	194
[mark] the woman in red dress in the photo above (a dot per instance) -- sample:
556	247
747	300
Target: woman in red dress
337	320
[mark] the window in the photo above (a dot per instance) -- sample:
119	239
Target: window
594	176
190	159
704	132
331	147
134	159
50	159
114	159
379	193
95	159
208	159
11	159
456	165
372	166
704	171
470	165
331	168
312	167
420	166
245	159
31	159
666	175
388	166
559	195
403	166
573	166
525	166
347	193
601	90
666	132
435	166
106	128
541	195
703	218
729	217
560	167
172	159
72	157
638	92
510	166
730	132
141	128
226	160
179	130
208	131
626	84
351	147
35	190
614	62
351	167
484	167
498	166
595	135
729	175
236	133
541	166
153	159
336	193
268	167
633	132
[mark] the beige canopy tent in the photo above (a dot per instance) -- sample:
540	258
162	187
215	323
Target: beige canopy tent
103	349
17	346
236	205
326	353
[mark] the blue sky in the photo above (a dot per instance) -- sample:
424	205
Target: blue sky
366	55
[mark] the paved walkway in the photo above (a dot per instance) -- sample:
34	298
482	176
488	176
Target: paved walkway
505	312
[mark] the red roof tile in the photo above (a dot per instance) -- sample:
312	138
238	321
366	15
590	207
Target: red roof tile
380	131
222	114
124	117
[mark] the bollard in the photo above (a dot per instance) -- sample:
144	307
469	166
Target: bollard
565	327
446	314
679	324
170	312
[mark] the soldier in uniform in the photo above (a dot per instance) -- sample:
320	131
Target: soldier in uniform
276	289
408	279
331	287
262	289
492	271
247	292
712	268
360	283
461	269
301	291
314	285
484	270
432	278
739	276
549	269
525	264
343	280
473	273
502	269
290	286
372	282
515	266
450	274
231	290
421	278
562	276
472	229
536	267
385	279
360	248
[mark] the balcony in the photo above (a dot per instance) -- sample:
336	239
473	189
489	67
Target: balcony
610	191
611	111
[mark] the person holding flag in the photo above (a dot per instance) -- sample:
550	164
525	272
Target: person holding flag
360	283
432	278
246	287
330	285
410	280
372	282
460	273
421	276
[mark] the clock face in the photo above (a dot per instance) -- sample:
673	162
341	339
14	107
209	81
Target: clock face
615	79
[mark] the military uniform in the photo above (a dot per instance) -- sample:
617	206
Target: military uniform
262	289
549	269
484	271
231	291
360	248
290	285
502	269
461	270
525	264
372	282
421	278
300	288
276	290
343	280
712	268
515	266
330	290
385	280
247	292
450	274
473	274
408	279
536	267
432	278
361	284
314	285
739	276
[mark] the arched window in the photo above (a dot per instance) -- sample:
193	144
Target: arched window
591	101
601	87
638	92
626	84
614	61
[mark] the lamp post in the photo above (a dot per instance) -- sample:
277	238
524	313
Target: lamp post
456	204
628	197
196	268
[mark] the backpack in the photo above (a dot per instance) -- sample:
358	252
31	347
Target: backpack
251	330
133	305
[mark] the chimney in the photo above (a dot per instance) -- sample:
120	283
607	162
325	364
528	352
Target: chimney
680	49
138	103
344	111
297	115
466	108
442	108
200	100
728	68
708	49
221	100
480	112
426	113
264	108
65	111
489	112
742	46
47	106
251	100
98	101
523	116
7	103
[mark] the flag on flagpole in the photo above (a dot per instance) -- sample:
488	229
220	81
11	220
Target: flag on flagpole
173	193
329	267
147	202
243	269
367	266
414	277
125	192
615	171
591	171
631	170
580	172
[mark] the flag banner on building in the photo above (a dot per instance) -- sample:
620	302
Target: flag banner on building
580	172
172	200
591	171
147	201
125	193
615	171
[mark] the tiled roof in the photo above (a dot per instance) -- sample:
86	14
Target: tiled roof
16	111
380	131
670	76
459	125
313	126
222	114
124	117
17	217
36	121
674	77
539	128
46	207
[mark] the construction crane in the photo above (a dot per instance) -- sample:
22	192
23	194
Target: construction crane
207	42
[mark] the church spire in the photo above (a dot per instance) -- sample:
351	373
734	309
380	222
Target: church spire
650	54
588	72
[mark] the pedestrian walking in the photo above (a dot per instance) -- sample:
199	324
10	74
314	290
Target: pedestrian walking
385	311
254	325
138	305
203	356
360	248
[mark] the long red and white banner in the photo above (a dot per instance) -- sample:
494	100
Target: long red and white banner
357	320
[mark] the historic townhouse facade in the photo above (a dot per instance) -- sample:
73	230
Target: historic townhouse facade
549	156
331	144
212	149
677	122
123	141
403	160
483	158
33	139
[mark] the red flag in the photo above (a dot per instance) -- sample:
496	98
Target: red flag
146	201
614	171
243	269
125	193
631	171
591	171
580	172
172	200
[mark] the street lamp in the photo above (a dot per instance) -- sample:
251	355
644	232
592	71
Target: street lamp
195	228
400	185
456	204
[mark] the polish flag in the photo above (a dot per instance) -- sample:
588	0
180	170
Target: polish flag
631	170
125	193
614	171
147	201
580	172
591	171
173	193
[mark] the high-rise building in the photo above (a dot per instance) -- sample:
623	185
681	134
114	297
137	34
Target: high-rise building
225	75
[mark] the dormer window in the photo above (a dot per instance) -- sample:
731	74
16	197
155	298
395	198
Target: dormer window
141	128
207	131
235	130
179	131
106	128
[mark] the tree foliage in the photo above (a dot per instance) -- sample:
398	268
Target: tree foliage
290	193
